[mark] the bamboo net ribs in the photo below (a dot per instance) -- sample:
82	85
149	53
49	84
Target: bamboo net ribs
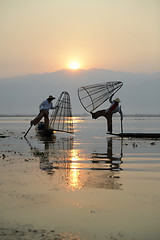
61	118
92	96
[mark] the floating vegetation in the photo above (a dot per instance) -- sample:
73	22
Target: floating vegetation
135	145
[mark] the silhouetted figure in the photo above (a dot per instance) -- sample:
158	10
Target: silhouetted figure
108	113
44	108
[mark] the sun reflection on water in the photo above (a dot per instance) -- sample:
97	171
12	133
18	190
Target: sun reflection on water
74	174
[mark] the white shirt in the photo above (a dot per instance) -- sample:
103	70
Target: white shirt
46	105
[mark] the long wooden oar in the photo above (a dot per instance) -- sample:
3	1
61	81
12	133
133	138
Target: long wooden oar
27	131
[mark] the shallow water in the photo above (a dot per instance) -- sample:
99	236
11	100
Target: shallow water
88	185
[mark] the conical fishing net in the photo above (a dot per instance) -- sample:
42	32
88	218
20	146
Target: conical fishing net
92	96
61	118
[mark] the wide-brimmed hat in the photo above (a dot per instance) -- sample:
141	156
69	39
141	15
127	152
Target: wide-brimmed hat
51	97
117	100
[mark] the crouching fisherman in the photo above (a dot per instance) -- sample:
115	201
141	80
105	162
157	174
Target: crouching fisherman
108	113
44	108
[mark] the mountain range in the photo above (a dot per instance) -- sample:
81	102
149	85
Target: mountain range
140	93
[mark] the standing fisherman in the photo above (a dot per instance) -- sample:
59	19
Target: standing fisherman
44	112
107	113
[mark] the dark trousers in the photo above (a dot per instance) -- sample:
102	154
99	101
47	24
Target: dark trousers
107	115
43	113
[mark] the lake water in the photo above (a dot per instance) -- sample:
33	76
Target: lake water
88	185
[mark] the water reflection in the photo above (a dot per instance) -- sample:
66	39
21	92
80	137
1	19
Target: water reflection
74	177
80	169
55	151
110	161
113	161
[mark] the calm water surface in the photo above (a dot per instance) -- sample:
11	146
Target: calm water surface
88	185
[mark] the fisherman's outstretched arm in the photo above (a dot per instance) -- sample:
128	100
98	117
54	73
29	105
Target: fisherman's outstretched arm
110	99
54	107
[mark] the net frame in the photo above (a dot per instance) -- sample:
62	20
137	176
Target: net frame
92	96
61	119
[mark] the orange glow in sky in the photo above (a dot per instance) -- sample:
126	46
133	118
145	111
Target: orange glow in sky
37	40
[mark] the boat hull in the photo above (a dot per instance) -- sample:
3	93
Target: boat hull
137	135
40	130
46	133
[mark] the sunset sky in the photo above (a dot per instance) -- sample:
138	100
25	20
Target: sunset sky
39	36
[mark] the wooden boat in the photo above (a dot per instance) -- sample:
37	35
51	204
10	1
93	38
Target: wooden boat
61	119
40	130
137	135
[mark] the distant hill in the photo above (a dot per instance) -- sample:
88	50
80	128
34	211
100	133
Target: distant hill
23	94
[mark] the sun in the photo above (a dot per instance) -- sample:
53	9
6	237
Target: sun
74	65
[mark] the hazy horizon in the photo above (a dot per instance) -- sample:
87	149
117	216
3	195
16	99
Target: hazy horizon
79	70
140	93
